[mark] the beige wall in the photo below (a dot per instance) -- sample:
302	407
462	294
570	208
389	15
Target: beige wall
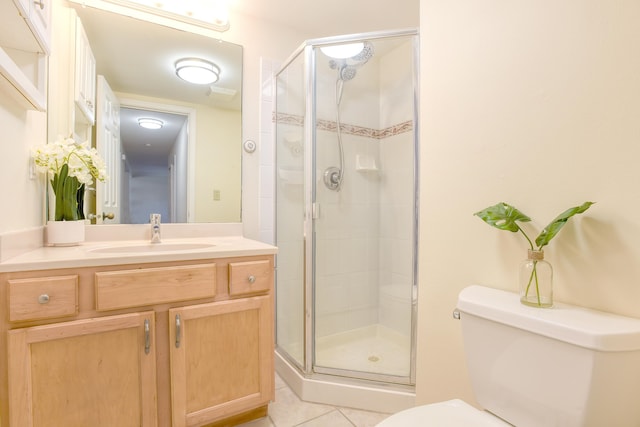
20	131
537	104
220	147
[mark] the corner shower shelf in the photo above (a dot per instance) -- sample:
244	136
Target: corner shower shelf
366	163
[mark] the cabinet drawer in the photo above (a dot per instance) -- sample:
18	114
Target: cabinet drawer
43	298
148	286
250	277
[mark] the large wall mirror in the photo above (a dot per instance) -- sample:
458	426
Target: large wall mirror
189	169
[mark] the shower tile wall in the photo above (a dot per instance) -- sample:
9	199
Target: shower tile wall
364	233
347	237
347	241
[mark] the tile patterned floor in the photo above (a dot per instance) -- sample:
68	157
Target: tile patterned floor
289	411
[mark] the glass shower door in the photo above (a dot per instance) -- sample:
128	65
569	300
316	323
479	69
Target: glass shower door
365	204
290	208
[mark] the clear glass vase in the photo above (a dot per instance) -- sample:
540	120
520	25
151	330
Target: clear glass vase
536	280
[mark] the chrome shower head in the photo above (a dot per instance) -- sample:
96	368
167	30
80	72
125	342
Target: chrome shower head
365	54
347	73
347	67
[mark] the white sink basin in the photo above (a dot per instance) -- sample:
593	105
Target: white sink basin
151	248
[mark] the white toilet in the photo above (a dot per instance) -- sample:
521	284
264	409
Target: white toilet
529	367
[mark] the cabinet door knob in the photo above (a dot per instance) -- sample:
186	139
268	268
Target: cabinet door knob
43	299
252	279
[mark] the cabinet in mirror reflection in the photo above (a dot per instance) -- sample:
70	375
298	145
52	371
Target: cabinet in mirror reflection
107	72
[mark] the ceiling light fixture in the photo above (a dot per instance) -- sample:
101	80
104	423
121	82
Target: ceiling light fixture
149	123
343	51
212	14
220	13
197	71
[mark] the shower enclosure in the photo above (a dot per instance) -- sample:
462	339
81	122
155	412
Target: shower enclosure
346	212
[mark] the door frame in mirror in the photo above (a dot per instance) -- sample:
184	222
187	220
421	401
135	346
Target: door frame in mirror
191	140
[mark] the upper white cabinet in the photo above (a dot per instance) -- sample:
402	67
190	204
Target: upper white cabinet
72	66
85	84
25	36
40	21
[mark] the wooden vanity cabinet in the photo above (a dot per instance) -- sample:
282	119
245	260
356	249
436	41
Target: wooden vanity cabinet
196	351
84	372
221	359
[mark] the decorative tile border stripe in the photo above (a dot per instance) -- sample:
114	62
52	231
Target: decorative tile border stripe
287	119
329	125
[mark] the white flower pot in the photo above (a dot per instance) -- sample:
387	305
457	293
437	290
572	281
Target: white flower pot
65	233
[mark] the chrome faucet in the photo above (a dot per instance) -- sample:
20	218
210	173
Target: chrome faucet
155	228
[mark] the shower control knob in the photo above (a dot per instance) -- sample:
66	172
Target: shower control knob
332	178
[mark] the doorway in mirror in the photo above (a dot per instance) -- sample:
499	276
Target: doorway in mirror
146	147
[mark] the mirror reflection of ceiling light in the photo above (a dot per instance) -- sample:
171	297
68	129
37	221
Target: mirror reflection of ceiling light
343	51
197	71
149	123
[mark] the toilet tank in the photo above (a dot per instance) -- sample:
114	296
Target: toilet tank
564	366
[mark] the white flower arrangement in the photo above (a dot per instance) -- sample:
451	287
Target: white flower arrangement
69	166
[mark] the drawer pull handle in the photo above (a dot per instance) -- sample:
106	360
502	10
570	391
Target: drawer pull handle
43	299
252	279
178	332
147	337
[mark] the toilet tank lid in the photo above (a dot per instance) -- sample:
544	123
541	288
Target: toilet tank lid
576	325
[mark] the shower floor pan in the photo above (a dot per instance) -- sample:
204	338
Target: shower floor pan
375	349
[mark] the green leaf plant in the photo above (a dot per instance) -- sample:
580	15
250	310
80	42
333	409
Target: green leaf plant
506	217
65	188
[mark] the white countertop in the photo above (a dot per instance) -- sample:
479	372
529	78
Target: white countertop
84	255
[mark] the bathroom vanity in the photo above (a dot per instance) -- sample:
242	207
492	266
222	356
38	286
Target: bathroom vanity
118	335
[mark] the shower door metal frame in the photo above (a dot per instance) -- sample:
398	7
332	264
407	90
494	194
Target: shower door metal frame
308	367
310	195
301	367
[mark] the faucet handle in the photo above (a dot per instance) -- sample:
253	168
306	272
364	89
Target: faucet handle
155	228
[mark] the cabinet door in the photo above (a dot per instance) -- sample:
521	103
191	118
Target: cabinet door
221	359
93	372
85	84
108	145
40	21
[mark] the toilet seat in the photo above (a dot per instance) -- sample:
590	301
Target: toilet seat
451	413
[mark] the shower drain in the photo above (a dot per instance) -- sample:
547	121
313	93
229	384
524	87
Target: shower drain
374	359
